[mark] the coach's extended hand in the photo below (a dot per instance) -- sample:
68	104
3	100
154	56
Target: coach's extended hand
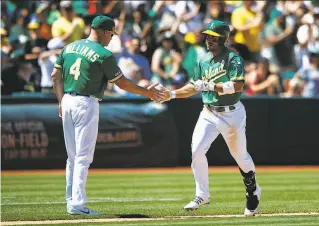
158	95
165	93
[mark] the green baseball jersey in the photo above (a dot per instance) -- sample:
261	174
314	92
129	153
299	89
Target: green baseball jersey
87	67
227	66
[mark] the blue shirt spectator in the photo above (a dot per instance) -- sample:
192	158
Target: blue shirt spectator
133	52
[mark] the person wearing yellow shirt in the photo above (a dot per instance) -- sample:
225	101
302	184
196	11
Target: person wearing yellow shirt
248	23
68	27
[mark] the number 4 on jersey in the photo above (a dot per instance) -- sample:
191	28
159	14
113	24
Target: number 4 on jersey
75	68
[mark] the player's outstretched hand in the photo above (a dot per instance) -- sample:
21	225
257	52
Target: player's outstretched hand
156	94
167	93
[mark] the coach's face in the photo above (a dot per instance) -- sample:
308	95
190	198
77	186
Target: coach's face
212	43
107	37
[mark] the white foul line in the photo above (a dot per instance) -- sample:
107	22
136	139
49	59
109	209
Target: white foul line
105	220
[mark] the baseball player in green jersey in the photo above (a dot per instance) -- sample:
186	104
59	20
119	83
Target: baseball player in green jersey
80	76
220	77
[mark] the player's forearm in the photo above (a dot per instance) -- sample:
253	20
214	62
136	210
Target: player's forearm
186	91
58	84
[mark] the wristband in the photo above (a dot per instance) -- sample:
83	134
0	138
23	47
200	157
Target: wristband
228	87
211	86
172	94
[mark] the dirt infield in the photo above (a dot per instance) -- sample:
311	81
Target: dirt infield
165	170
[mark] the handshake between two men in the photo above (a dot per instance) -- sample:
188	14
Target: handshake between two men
163	94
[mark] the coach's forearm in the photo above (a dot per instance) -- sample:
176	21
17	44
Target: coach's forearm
186	91
58	83
131	87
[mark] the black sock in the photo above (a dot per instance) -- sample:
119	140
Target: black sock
249	181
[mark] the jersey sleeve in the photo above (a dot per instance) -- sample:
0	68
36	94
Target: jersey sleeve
59	62
236	70
111	70
197	73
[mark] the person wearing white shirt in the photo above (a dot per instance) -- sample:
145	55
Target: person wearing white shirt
46	62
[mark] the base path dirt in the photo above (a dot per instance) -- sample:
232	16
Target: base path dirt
165	170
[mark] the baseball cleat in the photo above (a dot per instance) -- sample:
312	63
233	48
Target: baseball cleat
82	211
252	202
196	203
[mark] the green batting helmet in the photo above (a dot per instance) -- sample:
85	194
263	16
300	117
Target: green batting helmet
219	29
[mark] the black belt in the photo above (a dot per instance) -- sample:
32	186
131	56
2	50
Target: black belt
219	108
77	94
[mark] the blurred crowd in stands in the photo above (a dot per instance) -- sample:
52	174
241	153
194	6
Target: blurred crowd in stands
162	41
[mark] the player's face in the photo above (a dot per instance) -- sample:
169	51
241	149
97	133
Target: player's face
212	43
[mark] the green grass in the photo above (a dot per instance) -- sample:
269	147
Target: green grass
149	195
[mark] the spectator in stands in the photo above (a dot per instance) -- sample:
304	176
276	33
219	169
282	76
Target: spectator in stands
259	80
139	26
308	37
42	14
36	44
306	80
280	43
15	47
19	24
54	14
69	27
166	64
189	15
115	45
240	48
215	10
112	8
141	5
46	62
248	24
135	66
80	7
133	52
195	51
20	78
291	30
5	49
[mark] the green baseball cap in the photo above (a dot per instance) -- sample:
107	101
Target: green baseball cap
104	23
217	28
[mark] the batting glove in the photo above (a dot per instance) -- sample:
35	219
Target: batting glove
201	85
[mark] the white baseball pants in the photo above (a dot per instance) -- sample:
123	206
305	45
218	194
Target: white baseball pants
232	126
80	118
